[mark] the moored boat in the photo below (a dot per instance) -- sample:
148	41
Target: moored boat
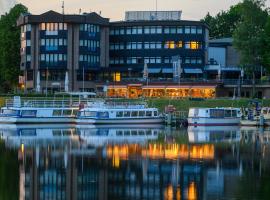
120	113
214	116
17	111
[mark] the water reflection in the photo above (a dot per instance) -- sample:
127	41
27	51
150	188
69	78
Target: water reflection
131	162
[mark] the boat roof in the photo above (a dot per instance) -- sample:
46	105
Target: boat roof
221	108
77	93
118	109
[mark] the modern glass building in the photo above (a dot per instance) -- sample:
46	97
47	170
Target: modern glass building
86	51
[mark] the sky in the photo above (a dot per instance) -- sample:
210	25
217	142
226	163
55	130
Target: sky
115	9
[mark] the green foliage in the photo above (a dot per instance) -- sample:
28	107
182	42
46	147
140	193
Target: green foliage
10	48
224	23
248	36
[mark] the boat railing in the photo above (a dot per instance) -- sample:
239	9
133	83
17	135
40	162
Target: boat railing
125	105
44	103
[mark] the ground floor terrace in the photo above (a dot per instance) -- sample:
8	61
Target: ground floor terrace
159	90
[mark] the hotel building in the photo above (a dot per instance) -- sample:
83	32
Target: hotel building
87	52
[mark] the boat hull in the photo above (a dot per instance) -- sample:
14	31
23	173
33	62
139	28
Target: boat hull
250	123
120	121
36	120
197	121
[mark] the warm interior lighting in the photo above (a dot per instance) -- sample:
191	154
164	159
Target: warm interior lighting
192	192
22	148
168	193
194	45
117	76
170	44
180	44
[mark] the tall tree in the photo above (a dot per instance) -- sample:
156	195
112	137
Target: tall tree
224	23
10	47
248	35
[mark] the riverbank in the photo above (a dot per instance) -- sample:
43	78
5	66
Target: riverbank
185	104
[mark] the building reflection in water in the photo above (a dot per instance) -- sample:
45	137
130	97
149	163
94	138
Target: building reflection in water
70	166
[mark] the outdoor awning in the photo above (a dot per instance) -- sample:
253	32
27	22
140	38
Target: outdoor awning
193	71
167	70
154	70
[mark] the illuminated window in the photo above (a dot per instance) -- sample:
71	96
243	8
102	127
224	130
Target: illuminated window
43	26
192	45
170	45
179	44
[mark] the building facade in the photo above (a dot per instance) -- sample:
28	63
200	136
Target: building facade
56	49
86	52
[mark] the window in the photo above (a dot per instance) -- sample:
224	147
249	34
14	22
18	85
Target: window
155	113
199	30
179	44
141	113
28	113
67	112
193	30
148	113
128	30
146	30
57	112
126	114
170	45
134	113
179	29
119	114
193	45
216	113
187	29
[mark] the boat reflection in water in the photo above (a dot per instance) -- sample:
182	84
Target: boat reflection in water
91	163
200	134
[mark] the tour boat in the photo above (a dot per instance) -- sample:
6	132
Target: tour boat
214	116
118	113
38	111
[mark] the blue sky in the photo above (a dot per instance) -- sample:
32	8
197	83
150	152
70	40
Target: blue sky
114	9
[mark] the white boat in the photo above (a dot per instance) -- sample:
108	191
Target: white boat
214	116
17	111
118	113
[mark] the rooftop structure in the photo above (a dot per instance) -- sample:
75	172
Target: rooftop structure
153	15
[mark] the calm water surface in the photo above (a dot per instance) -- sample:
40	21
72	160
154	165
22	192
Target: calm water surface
150	162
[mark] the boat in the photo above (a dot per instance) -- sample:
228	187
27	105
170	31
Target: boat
118	113
18	111
214	116
254	117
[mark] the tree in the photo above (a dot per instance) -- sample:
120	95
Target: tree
266	46
248	35
10	47
224	23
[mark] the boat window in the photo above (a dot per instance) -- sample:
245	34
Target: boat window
265	111
28	132
228	113
28	113
141	113
57	132
134	114
119	132
67	112
149	113
216	113
127	133
9	112
103	114
148	132
155	113
90	114
126	114
119	114
141	132
133	132
234	113
67	132
57	112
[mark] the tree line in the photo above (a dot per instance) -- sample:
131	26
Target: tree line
248	23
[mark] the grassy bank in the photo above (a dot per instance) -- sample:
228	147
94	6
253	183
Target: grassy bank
185	104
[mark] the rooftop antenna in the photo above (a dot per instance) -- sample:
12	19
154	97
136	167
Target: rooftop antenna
63	7
80	11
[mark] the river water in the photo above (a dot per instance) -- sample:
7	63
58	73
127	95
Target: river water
51	162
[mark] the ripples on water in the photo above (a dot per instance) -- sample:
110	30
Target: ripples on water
149	162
